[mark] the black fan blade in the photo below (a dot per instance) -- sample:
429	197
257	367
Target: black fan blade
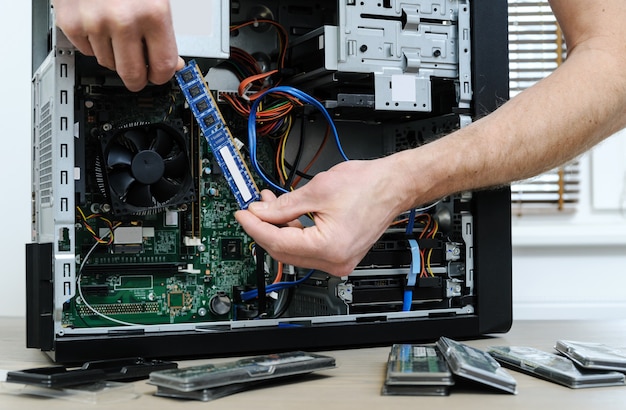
120	181
138	137
176	166
162	143
139	195
165	189
119	155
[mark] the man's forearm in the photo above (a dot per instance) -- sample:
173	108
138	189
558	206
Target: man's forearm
562	116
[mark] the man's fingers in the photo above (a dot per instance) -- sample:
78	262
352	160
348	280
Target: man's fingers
103	50
130	60
180	64
271	236
162	54
82	44
284	209
134	38
294	245
267	195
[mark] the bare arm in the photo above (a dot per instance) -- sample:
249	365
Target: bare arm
133	37
581	103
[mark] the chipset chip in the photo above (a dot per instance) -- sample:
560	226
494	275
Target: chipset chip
175	299
232	248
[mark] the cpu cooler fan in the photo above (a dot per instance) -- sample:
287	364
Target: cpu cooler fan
145	168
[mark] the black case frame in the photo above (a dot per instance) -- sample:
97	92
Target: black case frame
492	255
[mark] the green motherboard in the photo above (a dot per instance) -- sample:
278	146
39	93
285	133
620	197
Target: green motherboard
171	258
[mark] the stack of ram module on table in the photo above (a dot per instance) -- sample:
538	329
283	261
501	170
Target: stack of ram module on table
432	370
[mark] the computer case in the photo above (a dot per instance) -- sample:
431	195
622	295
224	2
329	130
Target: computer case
120	266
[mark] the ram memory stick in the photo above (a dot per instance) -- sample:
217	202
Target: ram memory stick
217	134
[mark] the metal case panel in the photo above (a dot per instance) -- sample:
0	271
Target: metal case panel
402	43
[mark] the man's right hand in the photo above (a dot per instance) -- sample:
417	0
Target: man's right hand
135	38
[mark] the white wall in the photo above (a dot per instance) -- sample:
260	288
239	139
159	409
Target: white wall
573	267
570	267
15	69
574	282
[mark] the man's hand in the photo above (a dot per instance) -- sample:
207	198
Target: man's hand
352	204
135	38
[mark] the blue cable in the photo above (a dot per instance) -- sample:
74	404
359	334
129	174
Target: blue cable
411	278
302	96
411	222
275	287
252	138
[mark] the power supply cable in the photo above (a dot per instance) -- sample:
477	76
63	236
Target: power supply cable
275	287
299	152
252	124
284	300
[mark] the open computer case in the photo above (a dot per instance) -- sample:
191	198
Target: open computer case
135	250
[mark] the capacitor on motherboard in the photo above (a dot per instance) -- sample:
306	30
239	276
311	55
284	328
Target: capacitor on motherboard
220	304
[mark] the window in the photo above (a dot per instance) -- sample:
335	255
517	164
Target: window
536	48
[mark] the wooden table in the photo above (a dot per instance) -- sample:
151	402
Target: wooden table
357	381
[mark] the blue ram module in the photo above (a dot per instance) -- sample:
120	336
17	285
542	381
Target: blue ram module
217	134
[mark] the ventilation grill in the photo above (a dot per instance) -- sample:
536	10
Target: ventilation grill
45	154
306	305
421	132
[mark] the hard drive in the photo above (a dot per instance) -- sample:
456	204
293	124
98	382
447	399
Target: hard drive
417	365
474	364
208	394
552	367
95	371
409	390
417	370
593	355
241	371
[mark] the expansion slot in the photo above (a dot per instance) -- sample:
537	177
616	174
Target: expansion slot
118	308
217	134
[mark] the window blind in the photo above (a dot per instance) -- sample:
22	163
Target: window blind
536	48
